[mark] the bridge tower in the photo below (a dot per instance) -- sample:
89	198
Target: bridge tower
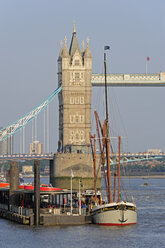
74	152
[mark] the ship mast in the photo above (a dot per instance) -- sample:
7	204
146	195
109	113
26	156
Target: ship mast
119	171
107	130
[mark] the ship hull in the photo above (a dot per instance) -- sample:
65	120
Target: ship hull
115	214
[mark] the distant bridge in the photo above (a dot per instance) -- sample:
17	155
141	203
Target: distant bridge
48	156
125	157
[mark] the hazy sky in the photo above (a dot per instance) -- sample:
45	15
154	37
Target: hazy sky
31	31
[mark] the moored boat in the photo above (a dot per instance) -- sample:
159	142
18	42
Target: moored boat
114	212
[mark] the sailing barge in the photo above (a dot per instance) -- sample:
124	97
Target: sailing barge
116	213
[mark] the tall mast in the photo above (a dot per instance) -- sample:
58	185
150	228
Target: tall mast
95	168
107	131
119	170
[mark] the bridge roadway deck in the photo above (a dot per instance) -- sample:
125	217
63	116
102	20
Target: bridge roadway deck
130	80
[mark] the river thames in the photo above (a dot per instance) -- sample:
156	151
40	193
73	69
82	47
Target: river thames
149	232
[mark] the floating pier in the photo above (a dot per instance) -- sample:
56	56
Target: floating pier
49	218
53	209
40	204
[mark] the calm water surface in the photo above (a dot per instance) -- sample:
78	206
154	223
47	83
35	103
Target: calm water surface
149	232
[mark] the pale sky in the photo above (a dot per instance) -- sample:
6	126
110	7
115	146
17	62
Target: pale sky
31	32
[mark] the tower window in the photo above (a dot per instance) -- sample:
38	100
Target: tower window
77	75
76	62
72	118
71	100
77	119
81	100
77	100
82	135
81	118
77	136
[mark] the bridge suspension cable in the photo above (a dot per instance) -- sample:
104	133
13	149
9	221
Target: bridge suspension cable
22	122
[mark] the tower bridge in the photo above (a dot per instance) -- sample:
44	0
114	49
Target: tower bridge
75	82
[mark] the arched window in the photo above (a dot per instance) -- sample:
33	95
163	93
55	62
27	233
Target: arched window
77	62
77	136
81	100
71	100
77	119
77	100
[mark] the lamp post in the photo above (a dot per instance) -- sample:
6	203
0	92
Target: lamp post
79	197
72	175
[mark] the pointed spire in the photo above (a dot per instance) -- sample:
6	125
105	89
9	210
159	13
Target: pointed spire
74	28
61	52
65	51
87	50
74	42
61	49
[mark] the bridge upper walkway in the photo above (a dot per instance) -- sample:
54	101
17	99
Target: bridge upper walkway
124	80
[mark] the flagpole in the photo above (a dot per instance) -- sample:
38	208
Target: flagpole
146	66
71	194
147	61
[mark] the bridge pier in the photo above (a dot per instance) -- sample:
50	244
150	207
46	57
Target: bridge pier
37	192
82	167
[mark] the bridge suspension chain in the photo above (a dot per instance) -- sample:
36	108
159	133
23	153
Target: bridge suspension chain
22	122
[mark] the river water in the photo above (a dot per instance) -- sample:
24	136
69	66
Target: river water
149	232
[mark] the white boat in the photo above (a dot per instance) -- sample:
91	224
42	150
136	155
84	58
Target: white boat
115	214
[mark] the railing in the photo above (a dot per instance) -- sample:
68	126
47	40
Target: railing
21	211
17	210
29	211
27	156
146	77
62	210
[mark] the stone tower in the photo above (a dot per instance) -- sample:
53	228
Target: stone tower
74	73
74	152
